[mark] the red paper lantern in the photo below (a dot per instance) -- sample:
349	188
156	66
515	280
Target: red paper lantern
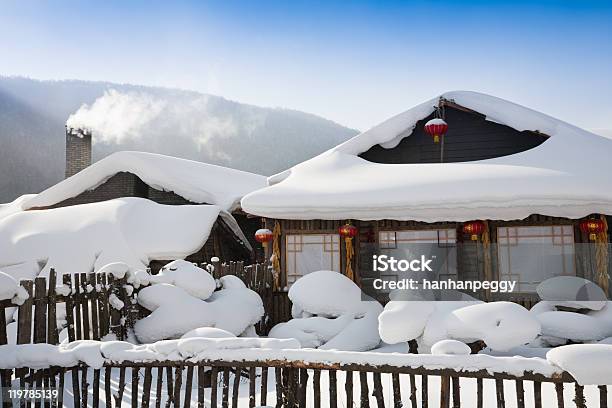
264	236
474	228
435	128
347	231
592	227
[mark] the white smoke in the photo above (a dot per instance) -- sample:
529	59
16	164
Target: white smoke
116	117
205	128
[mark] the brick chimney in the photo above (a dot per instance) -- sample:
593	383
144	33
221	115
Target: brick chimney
78	150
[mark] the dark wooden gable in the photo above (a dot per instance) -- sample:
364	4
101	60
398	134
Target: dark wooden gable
470	137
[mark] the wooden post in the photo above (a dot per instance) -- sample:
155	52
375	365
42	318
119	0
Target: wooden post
348	387
480	398
24	321
456	392
93	298
201	387
278	374
333	389
135	379
444	392
302	388
579	398
499	391
236	388
425	391
78	321
52	333
413	391
178	381
378	391
603	396
67	281
146	387
107	387
537	394
213	387
559	392
85	305
263	398
252	380
225	395
364	395
316	386
188	387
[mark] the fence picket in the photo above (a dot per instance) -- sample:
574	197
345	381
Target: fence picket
52	333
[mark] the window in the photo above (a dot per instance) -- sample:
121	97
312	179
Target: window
307	253
437	244
529	255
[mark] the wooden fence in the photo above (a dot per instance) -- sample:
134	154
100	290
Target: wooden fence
89	312
296	384
91	302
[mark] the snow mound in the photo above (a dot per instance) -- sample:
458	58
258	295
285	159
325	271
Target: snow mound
402	321
501	325
207	332
117	269
604	318
450	347
175	311
571	326
195	181
8	286
194	280
325	293
573	292
329	314
87	237
587	363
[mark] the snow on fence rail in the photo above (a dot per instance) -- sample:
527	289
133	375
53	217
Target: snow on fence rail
311	378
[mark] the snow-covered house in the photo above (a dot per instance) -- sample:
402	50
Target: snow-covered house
163	180
521	180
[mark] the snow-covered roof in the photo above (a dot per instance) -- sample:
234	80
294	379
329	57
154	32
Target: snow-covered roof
86	237
195	181
567	176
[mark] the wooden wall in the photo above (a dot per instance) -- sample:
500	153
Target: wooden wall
469	255
470	137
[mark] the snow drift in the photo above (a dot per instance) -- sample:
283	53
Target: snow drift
329	313
188	303
501	325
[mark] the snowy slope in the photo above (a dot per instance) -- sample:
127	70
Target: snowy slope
86	237
566	176
195	181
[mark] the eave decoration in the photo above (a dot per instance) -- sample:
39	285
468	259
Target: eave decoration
348	232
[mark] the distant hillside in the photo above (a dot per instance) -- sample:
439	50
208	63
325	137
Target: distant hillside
128	117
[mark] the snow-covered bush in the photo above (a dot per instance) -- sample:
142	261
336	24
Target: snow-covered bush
195	281
572	292
501	325
188	302
329	313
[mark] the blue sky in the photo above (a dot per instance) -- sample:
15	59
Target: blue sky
356	63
